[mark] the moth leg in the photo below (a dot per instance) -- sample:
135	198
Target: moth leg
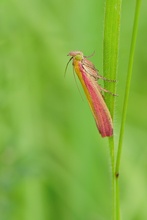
105	90
109	80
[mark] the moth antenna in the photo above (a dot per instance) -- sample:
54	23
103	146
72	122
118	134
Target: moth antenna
67	66
77	84
90	55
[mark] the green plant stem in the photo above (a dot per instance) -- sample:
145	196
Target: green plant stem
110	61
111	146
129	75
117	199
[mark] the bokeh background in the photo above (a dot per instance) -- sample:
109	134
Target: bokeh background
53	162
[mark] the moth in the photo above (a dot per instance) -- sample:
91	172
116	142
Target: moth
88	76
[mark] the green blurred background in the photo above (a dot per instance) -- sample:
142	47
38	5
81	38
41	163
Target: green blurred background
53	162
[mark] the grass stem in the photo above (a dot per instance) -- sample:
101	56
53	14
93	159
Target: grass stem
110	61
128	82
125	104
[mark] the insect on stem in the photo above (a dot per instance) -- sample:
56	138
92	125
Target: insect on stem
88	76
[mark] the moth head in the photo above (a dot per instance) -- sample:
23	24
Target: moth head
78	55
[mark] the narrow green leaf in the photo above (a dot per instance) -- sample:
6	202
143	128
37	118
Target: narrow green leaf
110	61
110	47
